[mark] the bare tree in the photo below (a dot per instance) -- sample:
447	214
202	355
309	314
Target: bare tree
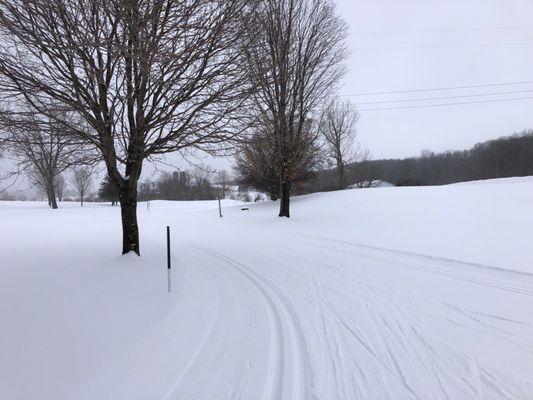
201	186
363	174
256	163
82	181
295	60
338	129
60	185
148	76
222	180
43	148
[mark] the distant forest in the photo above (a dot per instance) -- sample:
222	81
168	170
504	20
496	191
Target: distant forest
501	158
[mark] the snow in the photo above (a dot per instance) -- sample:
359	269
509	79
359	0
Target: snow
391	293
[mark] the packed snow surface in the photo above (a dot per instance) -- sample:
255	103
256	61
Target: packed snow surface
391	293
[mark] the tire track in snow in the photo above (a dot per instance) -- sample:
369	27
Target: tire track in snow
282	315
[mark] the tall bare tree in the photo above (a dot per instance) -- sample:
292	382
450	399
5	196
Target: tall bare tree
338	126
82	181
149	76
295	60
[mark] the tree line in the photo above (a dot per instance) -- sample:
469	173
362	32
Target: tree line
501	158
505	157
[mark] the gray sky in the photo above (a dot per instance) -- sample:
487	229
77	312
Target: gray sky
418	44
399	45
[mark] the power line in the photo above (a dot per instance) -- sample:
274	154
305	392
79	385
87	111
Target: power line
446	104
439	89
502	28
441	46
446	97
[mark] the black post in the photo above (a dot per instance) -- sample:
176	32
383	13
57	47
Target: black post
219	208
169	267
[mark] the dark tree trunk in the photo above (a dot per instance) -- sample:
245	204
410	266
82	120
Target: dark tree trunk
340	177
128	209
52	202
285	196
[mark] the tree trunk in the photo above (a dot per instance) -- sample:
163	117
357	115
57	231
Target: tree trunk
52	202
340	177
285	196
128	209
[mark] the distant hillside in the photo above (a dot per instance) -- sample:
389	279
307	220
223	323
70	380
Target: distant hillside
501	158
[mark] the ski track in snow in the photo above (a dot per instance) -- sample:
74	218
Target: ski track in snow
374	339
207	335
287	365
406	260
276	309
399	331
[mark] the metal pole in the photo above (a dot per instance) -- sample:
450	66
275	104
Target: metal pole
219	208
169	267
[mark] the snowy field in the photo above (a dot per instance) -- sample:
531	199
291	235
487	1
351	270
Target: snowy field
393	293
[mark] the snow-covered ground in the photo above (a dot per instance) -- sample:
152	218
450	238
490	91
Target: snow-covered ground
392	293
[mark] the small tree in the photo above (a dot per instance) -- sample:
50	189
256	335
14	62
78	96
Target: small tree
255	166
200	183
338	129
42	147
244	194
108	191
221	180
256	163
363	173
82	181
60	185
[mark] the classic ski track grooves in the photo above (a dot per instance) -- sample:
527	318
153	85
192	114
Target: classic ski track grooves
282	316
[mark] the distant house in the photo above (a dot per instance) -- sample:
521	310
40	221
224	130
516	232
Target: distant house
374	184
382	184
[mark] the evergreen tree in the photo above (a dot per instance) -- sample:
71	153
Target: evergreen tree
108	191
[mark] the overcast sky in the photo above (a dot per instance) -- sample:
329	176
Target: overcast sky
399	45
406	45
